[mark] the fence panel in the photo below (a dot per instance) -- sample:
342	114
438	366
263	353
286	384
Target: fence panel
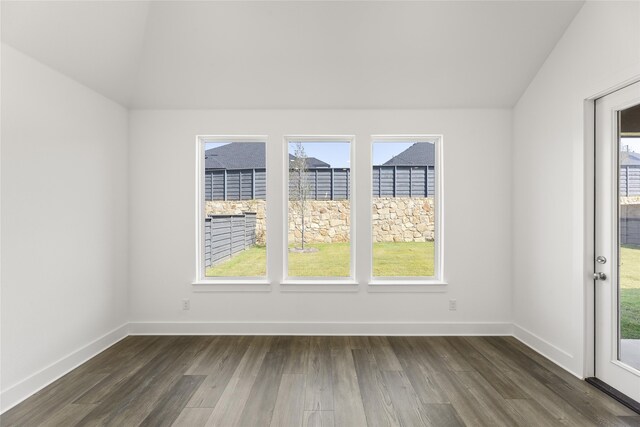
334	183
207	242
226	235
246	185
630	231
341	184
431	181
418	183
402	182
237	234
375	185
220	238
261	184
250	229
323	184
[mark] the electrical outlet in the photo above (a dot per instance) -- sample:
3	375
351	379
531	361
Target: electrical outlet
186	304
453	305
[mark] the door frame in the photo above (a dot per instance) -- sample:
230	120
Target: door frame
588	206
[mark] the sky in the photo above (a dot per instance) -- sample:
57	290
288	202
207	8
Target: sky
633	143
337	154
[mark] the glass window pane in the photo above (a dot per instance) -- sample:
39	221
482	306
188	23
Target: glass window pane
403	216
319	209
629	236
234	229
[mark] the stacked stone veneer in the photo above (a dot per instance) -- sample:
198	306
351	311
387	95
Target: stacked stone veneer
395	219
403	219
326	221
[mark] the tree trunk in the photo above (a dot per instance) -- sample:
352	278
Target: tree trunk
302	231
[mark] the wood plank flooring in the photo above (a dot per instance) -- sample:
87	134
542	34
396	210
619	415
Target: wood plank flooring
319	381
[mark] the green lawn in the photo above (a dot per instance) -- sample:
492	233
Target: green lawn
630	292
332	259
251	262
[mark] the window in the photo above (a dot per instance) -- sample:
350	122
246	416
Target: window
232	195
317	216
406	198
318	208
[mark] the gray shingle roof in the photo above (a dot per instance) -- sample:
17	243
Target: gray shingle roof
312	162
246	155
239	155
419	154
629	159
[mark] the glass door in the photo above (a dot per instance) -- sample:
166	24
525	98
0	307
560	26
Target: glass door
617	246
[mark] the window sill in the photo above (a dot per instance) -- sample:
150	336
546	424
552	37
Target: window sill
232	285
301	285
400	285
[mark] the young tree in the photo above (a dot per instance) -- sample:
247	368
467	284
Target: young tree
299	188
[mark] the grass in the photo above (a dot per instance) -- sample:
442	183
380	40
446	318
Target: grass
630	292
333	260
251	262
403	259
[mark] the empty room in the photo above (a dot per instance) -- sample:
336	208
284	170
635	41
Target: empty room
319	213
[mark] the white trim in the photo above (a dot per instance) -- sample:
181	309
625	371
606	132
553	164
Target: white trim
407	287
320	286
239	286
583	208
314	281
588	236
346	281
322	328
37	381
555	354
401	281
200	278
230	281
438	201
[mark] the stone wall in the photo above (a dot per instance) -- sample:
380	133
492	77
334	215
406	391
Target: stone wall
403	219
630	207
395	219
326	221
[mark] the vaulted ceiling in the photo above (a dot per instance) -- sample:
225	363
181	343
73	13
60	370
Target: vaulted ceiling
295	54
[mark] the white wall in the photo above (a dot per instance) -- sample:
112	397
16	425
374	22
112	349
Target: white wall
599	50
477	233
64	225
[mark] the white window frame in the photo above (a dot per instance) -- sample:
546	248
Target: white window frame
339	283
435	282
232	283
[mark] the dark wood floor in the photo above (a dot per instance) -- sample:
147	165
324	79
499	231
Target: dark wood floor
319	381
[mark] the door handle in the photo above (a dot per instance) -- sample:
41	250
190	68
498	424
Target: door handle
599	276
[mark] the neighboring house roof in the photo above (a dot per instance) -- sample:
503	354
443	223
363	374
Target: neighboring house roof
629	158
419	154
246	155
312	162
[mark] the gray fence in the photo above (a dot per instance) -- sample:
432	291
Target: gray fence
239	184
630	231
403	181
630	180
226	235
324	183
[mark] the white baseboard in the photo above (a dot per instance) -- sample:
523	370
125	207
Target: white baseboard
545	348
32	384
319	328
